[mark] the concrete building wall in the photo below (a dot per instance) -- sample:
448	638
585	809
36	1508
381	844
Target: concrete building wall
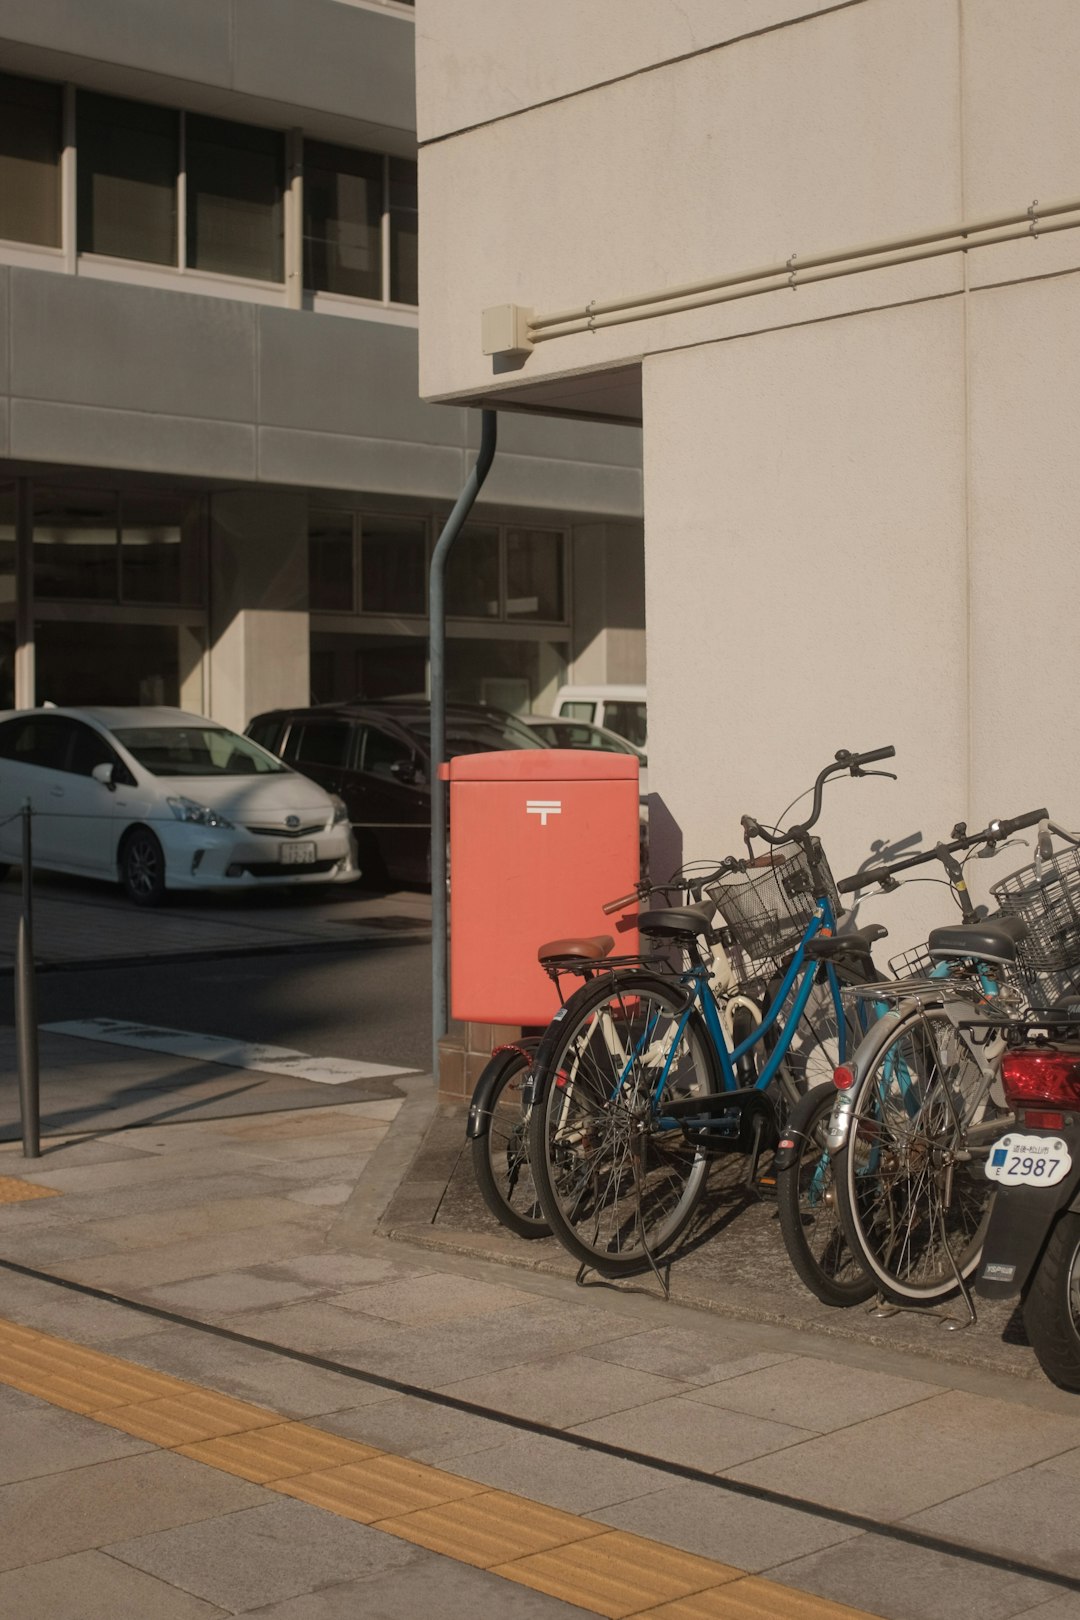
106	374
861	495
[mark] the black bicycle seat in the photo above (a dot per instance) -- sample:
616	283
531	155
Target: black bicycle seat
676	922
987	941
856	942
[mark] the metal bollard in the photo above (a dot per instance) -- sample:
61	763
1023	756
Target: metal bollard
26	1026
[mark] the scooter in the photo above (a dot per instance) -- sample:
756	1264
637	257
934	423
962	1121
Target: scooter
1032	1246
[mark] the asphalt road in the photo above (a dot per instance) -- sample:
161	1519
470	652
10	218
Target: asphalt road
370	1002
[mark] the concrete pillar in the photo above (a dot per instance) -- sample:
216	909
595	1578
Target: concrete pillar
609	604
258	653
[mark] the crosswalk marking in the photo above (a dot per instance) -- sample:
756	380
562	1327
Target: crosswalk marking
325	1071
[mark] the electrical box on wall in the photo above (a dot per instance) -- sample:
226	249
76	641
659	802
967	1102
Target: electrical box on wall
504	329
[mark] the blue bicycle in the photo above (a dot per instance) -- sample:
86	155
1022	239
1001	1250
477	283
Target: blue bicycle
636	1084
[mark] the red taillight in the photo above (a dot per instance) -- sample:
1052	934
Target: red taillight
843	1078
1040	1075
1040	1119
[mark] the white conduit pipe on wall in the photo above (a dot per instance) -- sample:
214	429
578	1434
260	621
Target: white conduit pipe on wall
1035	221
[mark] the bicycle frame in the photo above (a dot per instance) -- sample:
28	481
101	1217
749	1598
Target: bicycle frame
801	969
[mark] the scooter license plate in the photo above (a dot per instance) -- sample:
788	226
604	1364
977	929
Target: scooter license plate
297	854
1021	1159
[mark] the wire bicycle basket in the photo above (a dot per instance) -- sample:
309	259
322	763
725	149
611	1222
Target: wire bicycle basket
767	908
1046	896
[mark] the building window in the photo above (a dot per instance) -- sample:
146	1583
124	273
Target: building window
30	144
76	550
235	184
472	574
96	546
354	202
343	207
403	232
534	574
129	158
161	552
331	562
393	565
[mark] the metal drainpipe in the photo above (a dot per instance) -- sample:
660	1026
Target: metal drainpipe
440	976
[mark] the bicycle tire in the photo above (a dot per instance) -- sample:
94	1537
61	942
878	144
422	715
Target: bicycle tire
806	1205
500	1158
1052	1305
615	1186
914	1213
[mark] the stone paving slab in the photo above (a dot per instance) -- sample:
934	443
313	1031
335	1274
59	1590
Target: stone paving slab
732	1262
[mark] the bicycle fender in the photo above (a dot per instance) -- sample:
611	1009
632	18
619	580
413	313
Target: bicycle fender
1021	1221
479	1117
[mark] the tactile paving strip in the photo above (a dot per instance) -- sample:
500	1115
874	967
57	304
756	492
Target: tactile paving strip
14	1191
608	1572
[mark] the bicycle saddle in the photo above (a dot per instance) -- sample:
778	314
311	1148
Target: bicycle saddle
994	941
591	949
856	942
675	922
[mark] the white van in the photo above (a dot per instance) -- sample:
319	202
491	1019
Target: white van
619	708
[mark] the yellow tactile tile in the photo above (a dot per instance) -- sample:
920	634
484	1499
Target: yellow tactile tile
616	1574
753	1599
383	1488
492	1528
194	1414
278	1453
79	1380
13	1191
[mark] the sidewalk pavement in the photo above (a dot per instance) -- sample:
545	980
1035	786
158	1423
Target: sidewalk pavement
81	922
806	1472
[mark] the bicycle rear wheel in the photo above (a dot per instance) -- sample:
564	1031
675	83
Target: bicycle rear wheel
499	1157
615	1183
807	1207
914	1198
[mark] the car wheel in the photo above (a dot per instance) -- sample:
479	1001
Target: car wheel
142	867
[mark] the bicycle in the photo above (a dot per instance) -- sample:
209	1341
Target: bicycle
920	1103
497	1120
635	1082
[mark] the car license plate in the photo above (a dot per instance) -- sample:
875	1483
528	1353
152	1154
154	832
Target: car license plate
1021	1160
297	854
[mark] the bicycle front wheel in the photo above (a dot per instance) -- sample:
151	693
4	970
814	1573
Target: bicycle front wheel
617	1181
914	1197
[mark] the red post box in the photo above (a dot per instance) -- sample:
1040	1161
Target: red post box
540	839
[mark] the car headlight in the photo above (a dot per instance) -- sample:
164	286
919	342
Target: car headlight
199	814
341	810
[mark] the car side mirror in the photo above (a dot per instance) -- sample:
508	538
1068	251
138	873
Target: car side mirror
405	771
104	774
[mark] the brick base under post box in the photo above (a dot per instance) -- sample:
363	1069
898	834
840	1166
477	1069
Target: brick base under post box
464	1055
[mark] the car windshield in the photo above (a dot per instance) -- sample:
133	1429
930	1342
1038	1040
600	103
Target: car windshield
194	750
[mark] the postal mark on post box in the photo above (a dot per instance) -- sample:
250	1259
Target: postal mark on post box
543	808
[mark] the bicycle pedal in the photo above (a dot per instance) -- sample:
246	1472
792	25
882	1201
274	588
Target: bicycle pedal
766	1186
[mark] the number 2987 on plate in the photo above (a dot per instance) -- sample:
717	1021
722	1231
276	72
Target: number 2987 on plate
1023	1160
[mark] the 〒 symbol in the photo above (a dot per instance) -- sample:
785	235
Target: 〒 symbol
543	808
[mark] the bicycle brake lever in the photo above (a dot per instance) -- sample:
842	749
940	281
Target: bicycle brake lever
890	774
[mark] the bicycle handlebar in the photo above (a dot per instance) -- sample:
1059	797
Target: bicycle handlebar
844	761
995	833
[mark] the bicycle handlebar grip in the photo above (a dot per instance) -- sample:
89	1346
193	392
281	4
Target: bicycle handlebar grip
862	880
888	752
1015	823
617	905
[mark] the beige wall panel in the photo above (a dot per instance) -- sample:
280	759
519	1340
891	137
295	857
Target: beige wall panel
805	572
1021	125
1025	505
840	130
484	59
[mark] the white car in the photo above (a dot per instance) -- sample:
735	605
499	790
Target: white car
159	799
